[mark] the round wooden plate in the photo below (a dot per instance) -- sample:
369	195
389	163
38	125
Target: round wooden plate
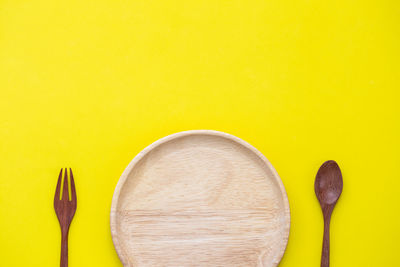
200	198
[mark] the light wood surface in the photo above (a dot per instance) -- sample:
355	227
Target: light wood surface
200	198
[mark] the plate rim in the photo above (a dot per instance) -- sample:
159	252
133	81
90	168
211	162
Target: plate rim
141	154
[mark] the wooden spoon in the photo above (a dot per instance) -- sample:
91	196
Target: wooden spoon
328	187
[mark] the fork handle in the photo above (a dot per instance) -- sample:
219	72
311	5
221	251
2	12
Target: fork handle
64	249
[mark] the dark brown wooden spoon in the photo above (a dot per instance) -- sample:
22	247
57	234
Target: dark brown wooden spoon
328	187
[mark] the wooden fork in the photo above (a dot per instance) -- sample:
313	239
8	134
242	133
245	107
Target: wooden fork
65	209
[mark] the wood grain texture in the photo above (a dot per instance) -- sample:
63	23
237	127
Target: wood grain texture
65	210
200	198
328	188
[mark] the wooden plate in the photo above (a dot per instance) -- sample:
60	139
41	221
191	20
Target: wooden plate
200	198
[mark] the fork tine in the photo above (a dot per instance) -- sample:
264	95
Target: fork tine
65	186
73	192
57	195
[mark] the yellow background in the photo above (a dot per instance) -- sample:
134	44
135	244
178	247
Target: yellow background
89	84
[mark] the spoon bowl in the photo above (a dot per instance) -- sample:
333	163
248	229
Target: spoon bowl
328	183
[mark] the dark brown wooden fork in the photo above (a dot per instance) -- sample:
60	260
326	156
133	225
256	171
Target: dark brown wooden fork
65	209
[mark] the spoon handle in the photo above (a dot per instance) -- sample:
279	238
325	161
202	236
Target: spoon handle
326	241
